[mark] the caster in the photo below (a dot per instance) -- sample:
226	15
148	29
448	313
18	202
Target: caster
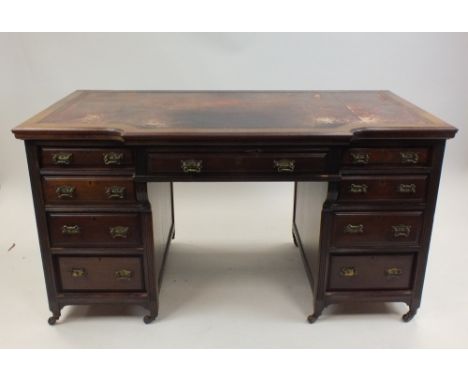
312	318
149	318
53	319
409	316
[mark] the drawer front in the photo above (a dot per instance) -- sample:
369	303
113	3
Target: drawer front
88	158
361	272
361	229
88	190
94	230
100	273
383	188
282	164
390	157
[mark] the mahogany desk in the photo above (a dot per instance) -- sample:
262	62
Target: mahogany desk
102	240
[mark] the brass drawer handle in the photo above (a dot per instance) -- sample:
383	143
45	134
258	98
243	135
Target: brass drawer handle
354	228
78	272
118	231
348	272
360	158
407	188
191	165
123	274
62	158
401	230
71	230
112	158
284	165
358	188
65	192
409	157
393	272
115	192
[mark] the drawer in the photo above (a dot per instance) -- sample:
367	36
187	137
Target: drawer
222	163
361	272
88	189
94	230
383	188
361	229
86	158
386	156
94	273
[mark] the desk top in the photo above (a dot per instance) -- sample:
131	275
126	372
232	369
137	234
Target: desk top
237	115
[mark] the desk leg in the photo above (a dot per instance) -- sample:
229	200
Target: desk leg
309	198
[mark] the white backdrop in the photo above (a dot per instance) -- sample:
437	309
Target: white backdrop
427	69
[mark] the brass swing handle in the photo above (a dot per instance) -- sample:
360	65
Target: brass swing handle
284	165
348	272
71	230
354	228
78	272
409	157
65	192
360	158
407	188
191	165
115	192
123	274
401	230
112	158
393	272
62	158
119	232
358	188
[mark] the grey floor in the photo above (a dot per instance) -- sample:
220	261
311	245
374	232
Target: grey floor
233	280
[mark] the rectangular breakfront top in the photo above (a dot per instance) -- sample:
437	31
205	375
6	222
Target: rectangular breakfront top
147	116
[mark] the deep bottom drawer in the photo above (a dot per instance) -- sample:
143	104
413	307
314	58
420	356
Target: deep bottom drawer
100	273
361	272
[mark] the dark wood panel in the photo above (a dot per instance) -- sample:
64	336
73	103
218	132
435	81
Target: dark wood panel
192	164
71	157
354	229
372	188
386	156
71	190
92	230
100	273
360	272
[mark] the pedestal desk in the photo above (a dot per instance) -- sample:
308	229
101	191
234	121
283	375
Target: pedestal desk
92	154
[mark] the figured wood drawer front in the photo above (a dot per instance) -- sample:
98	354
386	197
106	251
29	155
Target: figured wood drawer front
221	163
88	190
94	230
383	188
360	229
86	158
361	272
391	157
100	273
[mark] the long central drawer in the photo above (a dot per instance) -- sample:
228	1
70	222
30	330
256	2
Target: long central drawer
194	164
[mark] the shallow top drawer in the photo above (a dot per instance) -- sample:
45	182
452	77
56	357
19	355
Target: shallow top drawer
92	157
386	156
237	163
